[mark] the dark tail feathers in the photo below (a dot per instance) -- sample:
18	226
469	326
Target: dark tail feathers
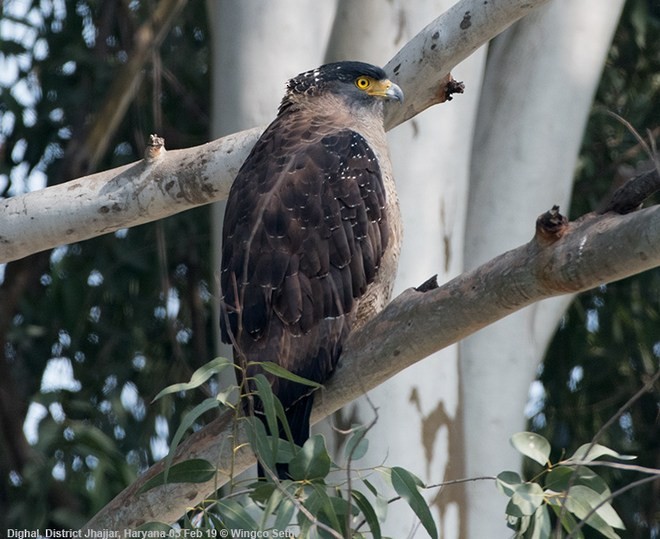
297	415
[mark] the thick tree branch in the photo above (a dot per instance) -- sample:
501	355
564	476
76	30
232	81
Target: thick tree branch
179	180
442	45
562	258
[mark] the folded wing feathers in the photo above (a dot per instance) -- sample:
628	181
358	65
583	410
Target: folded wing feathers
304	235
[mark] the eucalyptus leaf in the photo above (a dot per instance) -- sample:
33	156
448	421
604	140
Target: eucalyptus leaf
589	452
261	491
513	523
405	485
260	442
532	445
319	504
568	521
526	498
382	505
357	445
382	508
281	372
580	509
507	482
284	514
265	394
186	422
542	525
284	422
370	486
235	516
273	502
369	513
581	500
312	462
560	477
200	376
523	525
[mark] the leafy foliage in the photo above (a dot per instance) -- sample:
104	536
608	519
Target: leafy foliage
571	489
318	500
325	499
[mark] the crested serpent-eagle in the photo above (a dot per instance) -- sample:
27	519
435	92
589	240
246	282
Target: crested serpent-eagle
311	233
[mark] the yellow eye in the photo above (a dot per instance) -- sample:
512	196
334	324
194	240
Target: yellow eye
363	83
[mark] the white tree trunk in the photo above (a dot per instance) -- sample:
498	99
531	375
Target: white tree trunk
539	85
417	427
257	47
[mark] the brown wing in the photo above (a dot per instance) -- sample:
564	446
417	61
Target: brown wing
303	236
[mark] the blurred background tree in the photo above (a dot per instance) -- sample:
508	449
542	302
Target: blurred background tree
90	332
608	343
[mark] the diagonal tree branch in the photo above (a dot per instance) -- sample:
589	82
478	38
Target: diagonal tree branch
561	258
179	180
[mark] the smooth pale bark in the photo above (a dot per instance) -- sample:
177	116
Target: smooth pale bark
257	47
540	81
410	328
430	156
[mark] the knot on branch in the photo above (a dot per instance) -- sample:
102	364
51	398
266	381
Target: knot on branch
550	226
155	148
430	284
630	196
450	87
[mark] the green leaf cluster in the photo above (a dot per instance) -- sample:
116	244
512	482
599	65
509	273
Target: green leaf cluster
318	500
568	490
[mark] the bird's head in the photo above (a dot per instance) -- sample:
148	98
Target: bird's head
357	82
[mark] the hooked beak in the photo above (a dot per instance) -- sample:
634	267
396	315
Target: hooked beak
387	89
394	92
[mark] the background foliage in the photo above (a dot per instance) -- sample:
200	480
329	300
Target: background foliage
122	316
608	343
126	313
